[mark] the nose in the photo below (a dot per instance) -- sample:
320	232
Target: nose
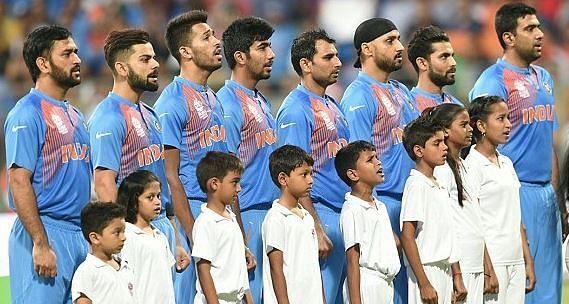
337	62
507	123
399	46
122	236
444	146
469	128
76	59
238	187
215	40
539	33
155	64
272	54
452	61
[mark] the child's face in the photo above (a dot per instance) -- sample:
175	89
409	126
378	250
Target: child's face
149	202
435	151
498	126
368	168
460	131
229	187
299	183
111	239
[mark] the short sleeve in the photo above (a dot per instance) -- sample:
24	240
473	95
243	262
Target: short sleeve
351	232
82	283
204	239
172	123
360	113
23	136
413	204
489	84
107	132
294	128
233	121
273	235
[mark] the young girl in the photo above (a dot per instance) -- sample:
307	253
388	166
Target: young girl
146	248
496	185
469	237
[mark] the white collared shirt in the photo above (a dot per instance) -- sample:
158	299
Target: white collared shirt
296	238
498	192
152	261
218	240
102	284
369	227
429	205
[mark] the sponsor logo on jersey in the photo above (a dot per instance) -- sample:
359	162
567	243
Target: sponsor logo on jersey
137	127
59	124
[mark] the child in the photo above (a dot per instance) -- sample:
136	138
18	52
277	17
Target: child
497	187
291	271
371	252
103	277
219	248
426	216
468	275
146	247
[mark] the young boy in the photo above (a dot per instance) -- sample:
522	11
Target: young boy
103	277
371	251
219	251
291	271
426	220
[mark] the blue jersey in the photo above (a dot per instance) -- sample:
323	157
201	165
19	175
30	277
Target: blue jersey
424	99
125	137
316	125
377	112
529	94
250	131
192	122
49	138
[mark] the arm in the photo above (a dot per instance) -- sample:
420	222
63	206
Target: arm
249	258
105	184
428	293
206	281
182	257
248	297
324	243
45	261
353	274
83	300
460	291
277	276
530	271
490	280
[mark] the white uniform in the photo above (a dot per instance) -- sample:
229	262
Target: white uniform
152	261
296	238
498	193
469	234
102	284
429	205
218	240
369	227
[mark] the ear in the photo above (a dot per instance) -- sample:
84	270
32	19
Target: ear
240	57
213	184
418	150
121	68
509	38
93	237
366	49
43	64
305	65
282	178
352	175
186	52
481	126
422	63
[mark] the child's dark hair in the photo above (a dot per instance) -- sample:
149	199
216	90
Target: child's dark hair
97	215
285	159
480	109
444	115
347	157
216	164
417	133
131	188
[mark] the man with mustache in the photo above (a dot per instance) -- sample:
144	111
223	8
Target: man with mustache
192	124
528	90
377	109
312	120
250	128
432	56
47	157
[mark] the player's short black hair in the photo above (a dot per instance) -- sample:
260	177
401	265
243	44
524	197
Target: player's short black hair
285	159
179	30
241	34
216	164
348	156
96	216
507	18
479	109
131	188
421	43
39	43
418	132
304	46
118	44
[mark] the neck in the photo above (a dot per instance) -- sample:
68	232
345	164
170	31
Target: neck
241	77
216	205
454	151
143	224
511	57
427	85
49	87
124	90
425	169
288	200
362	191
102	255
375	72
191	72
486	148
313	86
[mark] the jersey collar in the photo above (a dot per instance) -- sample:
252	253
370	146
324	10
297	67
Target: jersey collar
214	216
514	68
60	103
193	85
367	78
123	100
234	84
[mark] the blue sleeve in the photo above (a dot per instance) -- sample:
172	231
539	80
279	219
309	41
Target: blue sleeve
172	124
489	84
294	128
549	80
24	139
233	121
107	132
360	113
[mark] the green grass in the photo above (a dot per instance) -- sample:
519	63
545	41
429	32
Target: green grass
4	290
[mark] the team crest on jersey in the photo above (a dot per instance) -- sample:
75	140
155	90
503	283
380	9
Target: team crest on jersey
59	124
200	109
521	88
255	112
547	88
388	105
137	127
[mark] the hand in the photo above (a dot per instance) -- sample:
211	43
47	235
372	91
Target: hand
530	278
250	260
564	226
491	285
460	291
182	259
429	294
45	261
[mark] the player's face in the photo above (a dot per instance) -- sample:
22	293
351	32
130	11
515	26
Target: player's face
325	65
387	51
206	49
260	60
369	169
143	68
149	202
498	126
229	187
435	150
111	240
459	134
64	63
528	38
299	183
442	66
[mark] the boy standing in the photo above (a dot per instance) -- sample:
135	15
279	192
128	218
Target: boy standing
103	277
219	251
426	229
291	272
371	252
